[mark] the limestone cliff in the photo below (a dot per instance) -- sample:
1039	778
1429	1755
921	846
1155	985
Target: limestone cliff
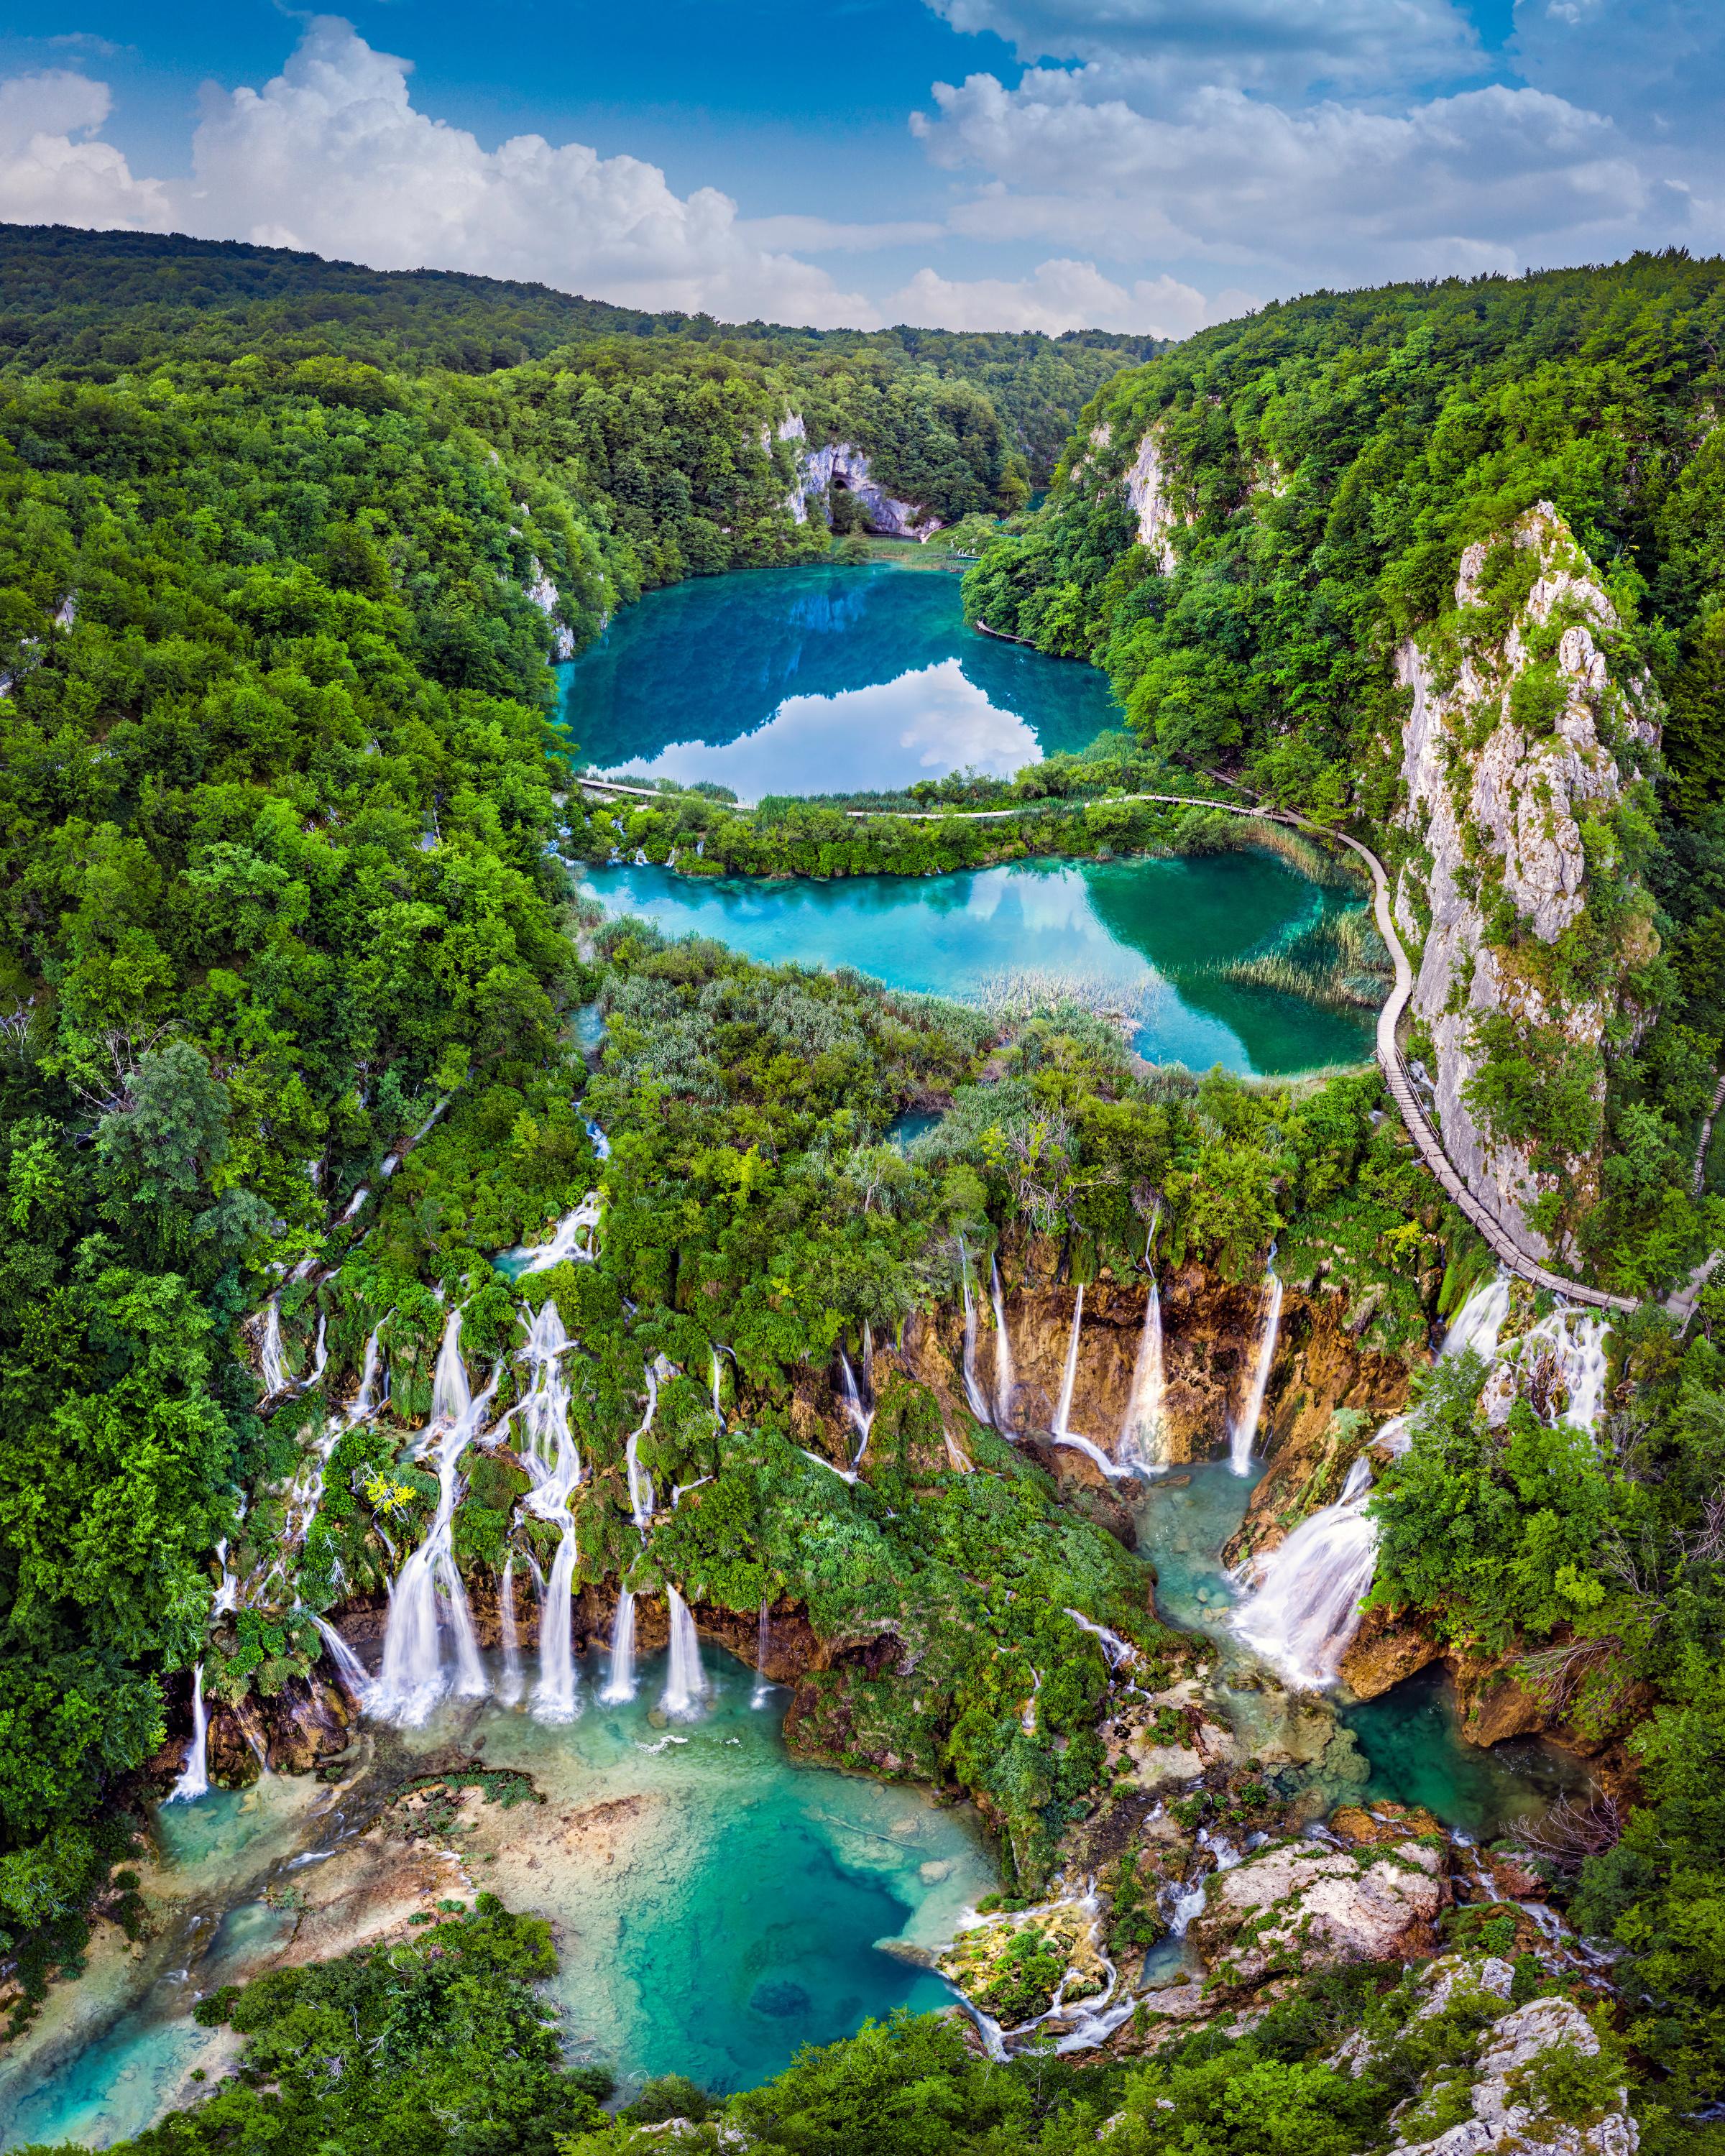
842	464
1520	754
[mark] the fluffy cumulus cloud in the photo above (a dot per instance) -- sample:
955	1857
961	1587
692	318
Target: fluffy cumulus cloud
1278	47
1243	135
1061	294
333	156
55	169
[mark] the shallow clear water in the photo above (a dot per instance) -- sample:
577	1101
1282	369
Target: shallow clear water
1142	937
1411	1736
821	680
732	1917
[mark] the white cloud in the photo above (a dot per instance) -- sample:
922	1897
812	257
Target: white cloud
816	235
331	154
54	171
1061	294
1281	46
1489	179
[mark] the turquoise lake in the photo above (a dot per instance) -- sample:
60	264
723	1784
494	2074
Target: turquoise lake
1145	939
742	1917
820	680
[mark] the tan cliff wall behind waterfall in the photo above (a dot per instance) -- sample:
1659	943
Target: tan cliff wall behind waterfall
1211	1331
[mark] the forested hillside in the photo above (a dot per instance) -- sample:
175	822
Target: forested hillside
91	306
1260	535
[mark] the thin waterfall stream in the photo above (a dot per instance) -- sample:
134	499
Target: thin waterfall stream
1243	1435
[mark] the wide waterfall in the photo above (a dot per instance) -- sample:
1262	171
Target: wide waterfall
194	1776
685	1683
1244	1434
412	1679
1143	1434
509	1687
573	1241
551	1456
620	1683
1306	1608
972	1391
1004	1378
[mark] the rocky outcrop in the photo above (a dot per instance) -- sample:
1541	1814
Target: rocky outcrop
1296	1907
1150	489
1518	743
842	466
544	595
1512	2111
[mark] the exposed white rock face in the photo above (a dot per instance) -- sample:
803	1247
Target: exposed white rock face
818	468
1295	1905
1483	791
1149	489
544	595
1505	2116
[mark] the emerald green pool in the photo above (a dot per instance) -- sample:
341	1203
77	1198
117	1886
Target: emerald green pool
1147	939
820	680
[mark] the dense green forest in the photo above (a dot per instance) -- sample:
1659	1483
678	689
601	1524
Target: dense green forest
286	551
92	307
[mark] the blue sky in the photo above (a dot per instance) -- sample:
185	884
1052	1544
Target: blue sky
1140	164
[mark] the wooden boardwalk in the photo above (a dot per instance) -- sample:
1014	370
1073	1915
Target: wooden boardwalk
1390	1060
1499	1239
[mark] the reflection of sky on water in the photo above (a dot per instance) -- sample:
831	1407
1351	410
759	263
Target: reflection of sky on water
820	680
1128	936
886	735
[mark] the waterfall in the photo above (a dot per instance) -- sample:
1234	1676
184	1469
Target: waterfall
601	1143
194	1776
1114	1648
763	1684
1306	1607
552	1456
412	1679
451	1395
273	1363
1244	1435
1003	1353
354	1202
352	1672
862	1419
1069	1376
718	1411
972	1391
228	1594
572	1240
686	1683
1143	1435
320	1352
640	1482
554	1698
1480	1320
510	1690
364	1401
620	1680
1577	1342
